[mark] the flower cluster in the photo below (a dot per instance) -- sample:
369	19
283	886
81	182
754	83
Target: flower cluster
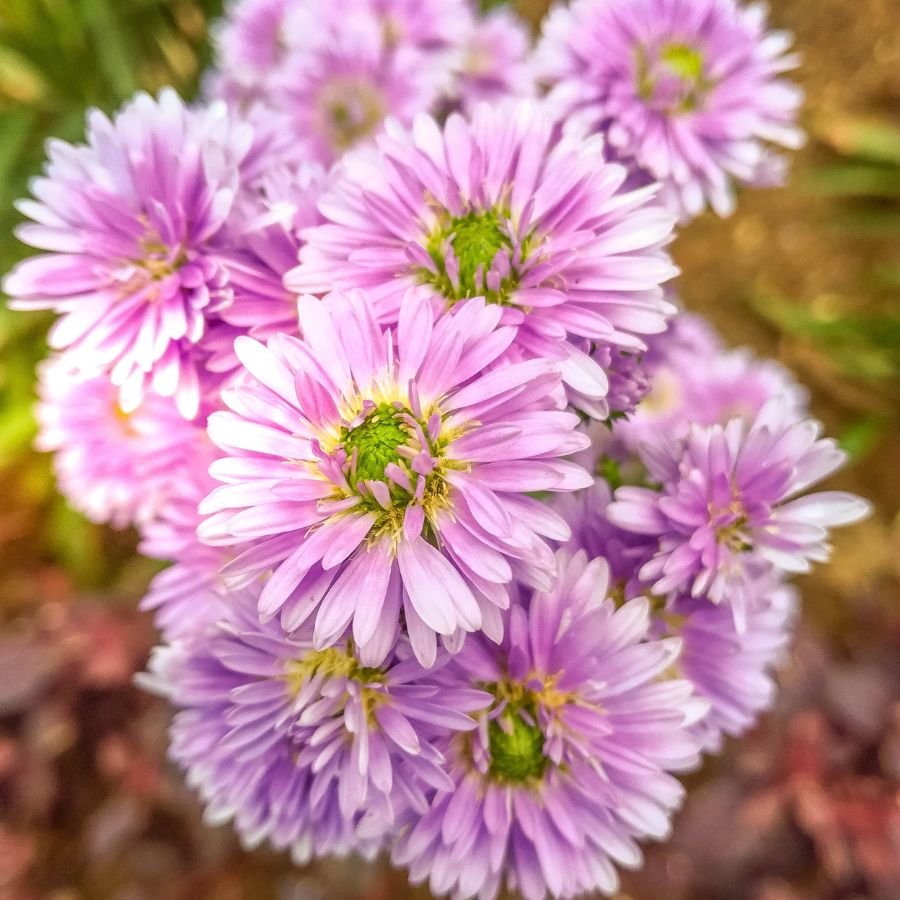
477	542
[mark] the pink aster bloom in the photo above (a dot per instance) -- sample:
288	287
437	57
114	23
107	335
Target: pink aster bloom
573	762
264	243
190	594
130	221
729	384
730	498
497	209
733	670
259	42
352	68
113	466
309	750
493	62
689	90
424	25
378	476
250	42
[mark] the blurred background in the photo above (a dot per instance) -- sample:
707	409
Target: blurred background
806	808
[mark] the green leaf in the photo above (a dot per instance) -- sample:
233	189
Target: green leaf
854	180
114	52
868	139
15	127
860	437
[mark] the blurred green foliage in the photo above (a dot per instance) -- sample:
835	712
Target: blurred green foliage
856	337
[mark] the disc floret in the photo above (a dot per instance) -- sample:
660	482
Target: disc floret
390	457
675	80
476	254
516	746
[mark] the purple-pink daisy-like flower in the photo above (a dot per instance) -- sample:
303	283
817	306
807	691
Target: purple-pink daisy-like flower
250	43
592	531
689	90
732	669
381	476
729	497
130	221
493	61
309	750
729	384
260	42
264	243
495	208
190	594
349	72
113	466
629	380
572	763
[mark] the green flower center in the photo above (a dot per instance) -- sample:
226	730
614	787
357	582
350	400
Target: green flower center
517	754
474	240
675	80
683	61
376	441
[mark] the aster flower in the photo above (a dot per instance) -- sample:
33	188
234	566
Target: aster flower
729	384
730	496
572	762
264	242
629	380
376	478
493	62
258	41
113	466
306	749
190	594
354	65
250	42
130	221
585	512
496	209
689	90
732	669
428	26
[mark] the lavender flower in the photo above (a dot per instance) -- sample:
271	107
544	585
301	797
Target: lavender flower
338	93
375	478
493	62
732	669
629	380
690	90
338	69
729	497
496	209
191	594
130	221
306	749
571	764
585	513
113	466
264	242
729	384
250	43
